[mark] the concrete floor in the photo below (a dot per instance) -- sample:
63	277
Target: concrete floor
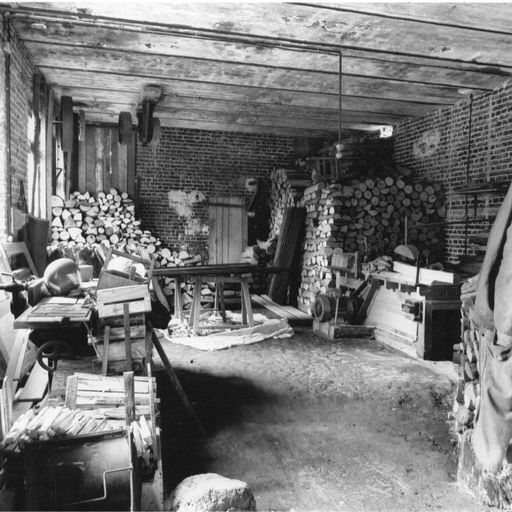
314	424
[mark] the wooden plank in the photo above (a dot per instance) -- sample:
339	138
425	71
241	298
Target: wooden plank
127	339
130	167
90	163
82	163
114	151
15	363
98	165
107	159
35	387
129	397
110	310
123	294
106	342
212	229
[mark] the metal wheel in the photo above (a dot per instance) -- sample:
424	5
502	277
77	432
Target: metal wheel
53	351
322	308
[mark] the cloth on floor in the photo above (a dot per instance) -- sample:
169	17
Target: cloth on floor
493	426
275	328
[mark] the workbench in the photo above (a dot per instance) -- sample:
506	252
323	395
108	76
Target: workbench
219	274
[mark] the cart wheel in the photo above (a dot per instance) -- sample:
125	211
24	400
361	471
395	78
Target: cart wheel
322	308
155	139
66	116
125	127
53	351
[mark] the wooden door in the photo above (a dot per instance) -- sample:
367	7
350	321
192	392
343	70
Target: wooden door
228	229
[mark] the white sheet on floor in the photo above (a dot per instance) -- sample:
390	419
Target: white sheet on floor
275	328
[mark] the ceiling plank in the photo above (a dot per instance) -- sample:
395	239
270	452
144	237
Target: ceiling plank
158	68
491	17
247	113
184	92
147	42
211	124
313	24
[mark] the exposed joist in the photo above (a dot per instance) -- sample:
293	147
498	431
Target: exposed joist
318	26
158	68
183	93
211	124
360	63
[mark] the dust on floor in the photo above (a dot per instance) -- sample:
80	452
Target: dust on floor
316	424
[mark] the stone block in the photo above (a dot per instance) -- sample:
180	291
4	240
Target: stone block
210	492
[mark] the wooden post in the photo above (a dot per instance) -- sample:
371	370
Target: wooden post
174	380
129	397
127	340
106	341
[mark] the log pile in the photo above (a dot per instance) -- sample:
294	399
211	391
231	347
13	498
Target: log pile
92	222
467	399
367	215
287	187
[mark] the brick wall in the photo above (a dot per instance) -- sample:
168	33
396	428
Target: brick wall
22	71
194	165
436	147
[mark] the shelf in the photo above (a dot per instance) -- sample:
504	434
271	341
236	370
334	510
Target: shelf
481	188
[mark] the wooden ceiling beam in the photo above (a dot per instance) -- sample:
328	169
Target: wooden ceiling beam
158	69
219	125
328	26
354	62
186	93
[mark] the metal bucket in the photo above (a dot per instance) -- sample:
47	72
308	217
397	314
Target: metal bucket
93	472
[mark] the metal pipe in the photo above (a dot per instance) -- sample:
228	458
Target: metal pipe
468	164
340	70
6	46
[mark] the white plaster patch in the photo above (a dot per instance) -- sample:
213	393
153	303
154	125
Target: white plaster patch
181	202
427	144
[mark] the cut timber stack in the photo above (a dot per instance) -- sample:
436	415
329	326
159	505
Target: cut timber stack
286	257
467	398
367	216
287	187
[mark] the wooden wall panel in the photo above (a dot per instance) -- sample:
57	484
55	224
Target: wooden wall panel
104	163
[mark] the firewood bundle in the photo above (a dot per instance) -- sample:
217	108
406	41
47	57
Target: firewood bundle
287	187
52	422
467	399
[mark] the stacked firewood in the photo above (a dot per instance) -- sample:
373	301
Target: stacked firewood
315	275
109	219
467	398
287	187
368	216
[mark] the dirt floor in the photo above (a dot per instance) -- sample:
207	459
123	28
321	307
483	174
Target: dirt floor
316	424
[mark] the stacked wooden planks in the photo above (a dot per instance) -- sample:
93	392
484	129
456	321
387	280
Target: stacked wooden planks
287	252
